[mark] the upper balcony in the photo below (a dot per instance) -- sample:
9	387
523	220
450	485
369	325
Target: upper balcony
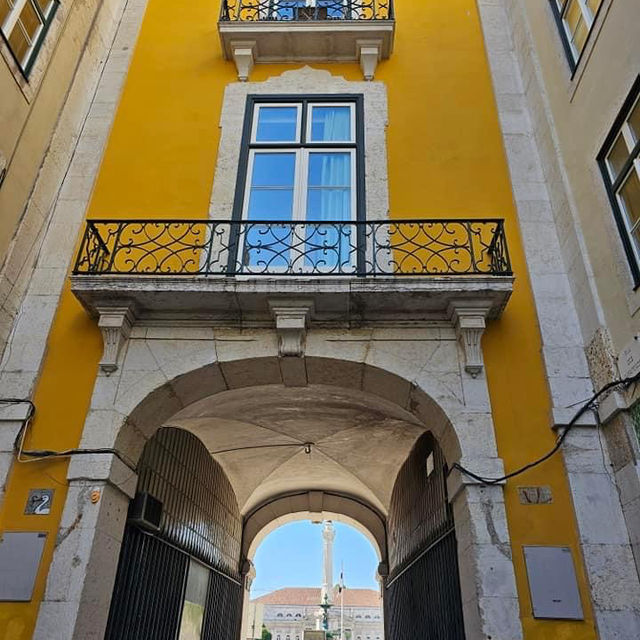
254	31
230	271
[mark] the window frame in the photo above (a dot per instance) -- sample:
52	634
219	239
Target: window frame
303	148
613	186
574	58
254	126
248	144
25	66
300	180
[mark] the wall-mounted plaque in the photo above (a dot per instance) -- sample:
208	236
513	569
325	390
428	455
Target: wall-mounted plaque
39	502
20	555
552	583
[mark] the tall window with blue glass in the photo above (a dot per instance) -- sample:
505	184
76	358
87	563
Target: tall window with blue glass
301	179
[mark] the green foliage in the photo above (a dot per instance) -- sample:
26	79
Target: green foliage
266	634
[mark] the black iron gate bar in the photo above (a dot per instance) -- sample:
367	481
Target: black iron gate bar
397	575
184	552
435	247
296	10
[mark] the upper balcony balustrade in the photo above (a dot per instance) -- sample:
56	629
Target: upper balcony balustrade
306	31
351	271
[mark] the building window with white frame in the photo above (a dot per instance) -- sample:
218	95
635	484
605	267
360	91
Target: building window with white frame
619	162
575	20
301	174
24	25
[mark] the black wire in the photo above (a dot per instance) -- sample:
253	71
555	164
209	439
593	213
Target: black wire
266	446
587	406
48	453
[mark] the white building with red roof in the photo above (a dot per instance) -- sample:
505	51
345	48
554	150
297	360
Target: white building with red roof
288	612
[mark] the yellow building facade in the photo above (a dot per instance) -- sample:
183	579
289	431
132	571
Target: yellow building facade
378	333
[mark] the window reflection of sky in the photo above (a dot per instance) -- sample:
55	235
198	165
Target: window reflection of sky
277	124
271	195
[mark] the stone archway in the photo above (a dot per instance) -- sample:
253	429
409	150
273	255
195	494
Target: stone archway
314	505
147	399
182	574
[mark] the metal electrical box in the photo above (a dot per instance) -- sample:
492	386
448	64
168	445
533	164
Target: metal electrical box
20	555
552	583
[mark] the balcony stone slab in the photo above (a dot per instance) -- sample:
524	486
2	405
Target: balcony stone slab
237	301
249	42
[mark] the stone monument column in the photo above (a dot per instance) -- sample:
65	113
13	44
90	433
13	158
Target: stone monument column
328	536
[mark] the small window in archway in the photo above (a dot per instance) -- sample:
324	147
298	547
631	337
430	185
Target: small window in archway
431	464
280	615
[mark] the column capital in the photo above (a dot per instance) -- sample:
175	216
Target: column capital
458	481
103	468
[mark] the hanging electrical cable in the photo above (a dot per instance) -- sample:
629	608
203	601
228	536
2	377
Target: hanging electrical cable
34	455
589	405
42	454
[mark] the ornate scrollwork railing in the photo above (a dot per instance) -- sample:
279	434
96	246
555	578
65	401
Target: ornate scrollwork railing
246	248
303	10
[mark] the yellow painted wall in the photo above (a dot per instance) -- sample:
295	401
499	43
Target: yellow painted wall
445	159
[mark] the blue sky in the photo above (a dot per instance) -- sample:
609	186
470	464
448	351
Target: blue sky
291	556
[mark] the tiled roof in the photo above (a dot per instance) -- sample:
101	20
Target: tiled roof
311	596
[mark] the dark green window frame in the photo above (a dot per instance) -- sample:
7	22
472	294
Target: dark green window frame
559	9
614	181
26	65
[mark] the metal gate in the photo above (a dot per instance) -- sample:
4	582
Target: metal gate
422	593
200	525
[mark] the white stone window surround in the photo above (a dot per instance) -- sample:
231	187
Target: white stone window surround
305	81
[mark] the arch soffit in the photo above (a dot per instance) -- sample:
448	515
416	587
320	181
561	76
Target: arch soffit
154	409
316	506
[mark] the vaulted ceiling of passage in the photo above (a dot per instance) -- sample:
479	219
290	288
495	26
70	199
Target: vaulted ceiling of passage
360	441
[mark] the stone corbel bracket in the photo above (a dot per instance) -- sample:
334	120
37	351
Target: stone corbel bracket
115	322
469	317
369	53
243	52
292	320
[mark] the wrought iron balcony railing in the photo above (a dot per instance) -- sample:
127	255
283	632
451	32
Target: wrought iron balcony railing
303	10
243	248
